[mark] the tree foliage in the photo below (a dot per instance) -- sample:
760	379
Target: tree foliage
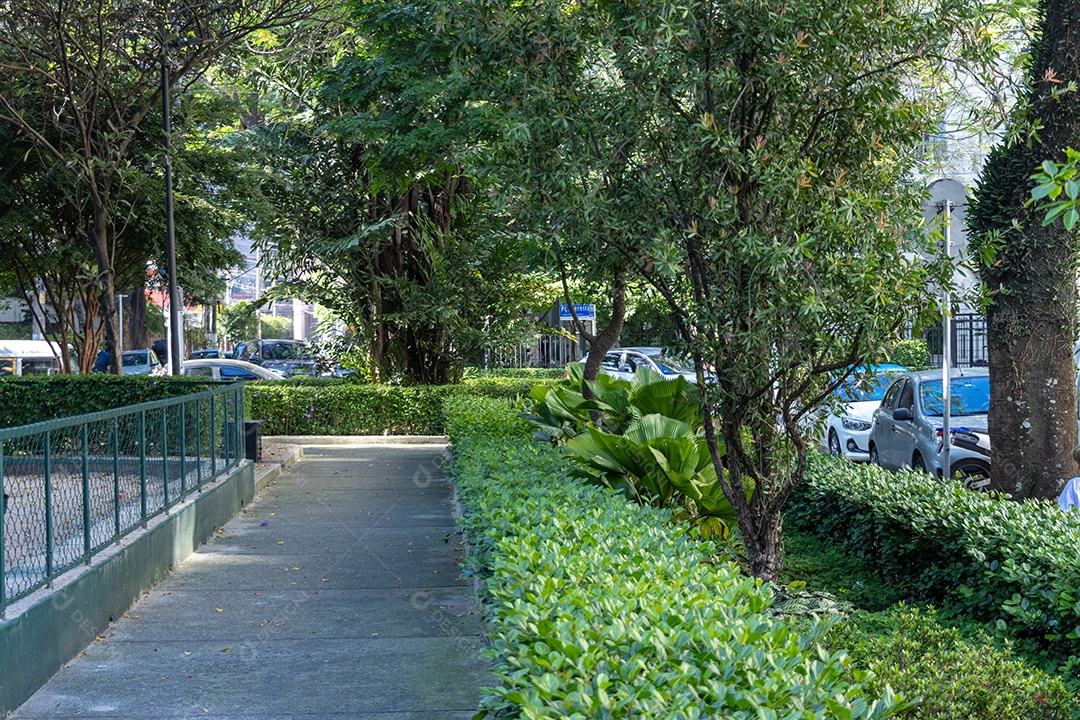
80	79
753	163
380	214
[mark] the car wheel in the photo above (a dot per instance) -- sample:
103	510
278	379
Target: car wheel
975	474
918	464
834	444
874	455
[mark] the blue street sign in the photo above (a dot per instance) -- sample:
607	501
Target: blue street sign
585	311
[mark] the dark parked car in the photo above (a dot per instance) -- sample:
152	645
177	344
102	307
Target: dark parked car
289	357
208	354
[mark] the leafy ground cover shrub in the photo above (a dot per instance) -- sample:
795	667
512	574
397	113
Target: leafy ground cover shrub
335	407
952	672
30	399
952	676
815	563
602	608
990	559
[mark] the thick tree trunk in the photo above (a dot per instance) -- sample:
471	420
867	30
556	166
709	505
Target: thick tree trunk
606	338
1032	321
136	311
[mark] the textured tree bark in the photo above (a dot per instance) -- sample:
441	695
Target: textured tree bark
1031	323
606	338
135	309
108	288
763	549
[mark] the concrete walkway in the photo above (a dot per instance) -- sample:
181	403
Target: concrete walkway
334	595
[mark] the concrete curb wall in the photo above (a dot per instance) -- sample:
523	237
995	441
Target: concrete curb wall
356	439
265	473
47	629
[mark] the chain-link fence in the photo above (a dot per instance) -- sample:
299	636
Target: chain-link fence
73	486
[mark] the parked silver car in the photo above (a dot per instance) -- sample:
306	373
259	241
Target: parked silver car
906	428
228	369
140	362
624	362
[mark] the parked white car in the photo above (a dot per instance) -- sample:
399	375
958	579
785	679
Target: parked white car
845	431
624	362
228	369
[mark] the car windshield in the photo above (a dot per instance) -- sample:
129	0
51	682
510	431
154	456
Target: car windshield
135	358
967	396
871	388
671	365
286	351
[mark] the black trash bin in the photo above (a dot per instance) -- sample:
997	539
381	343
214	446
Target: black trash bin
253	440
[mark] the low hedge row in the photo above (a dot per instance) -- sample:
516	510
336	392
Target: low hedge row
989	558
328	407
25	400
600	608
952	676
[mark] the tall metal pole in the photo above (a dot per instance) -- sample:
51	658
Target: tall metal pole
170	237
946	352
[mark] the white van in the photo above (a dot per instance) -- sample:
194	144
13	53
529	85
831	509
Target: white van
30	357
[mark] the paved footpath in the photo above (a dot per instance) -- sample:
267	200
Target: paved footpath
334	595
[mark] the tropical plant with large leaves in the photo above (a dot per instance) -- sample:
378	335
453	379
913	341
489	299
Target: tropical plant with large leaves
659	461
561	411
642	437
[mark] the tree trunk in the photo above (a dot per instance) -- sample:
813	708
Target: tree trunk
763	549
607	337
1033	387
137	336
108	287
1031	323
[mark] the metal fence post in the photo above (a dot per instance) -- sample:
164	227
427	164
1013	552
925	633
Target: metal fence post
213	437
142	464
183	450
48	509
165	456
116	475
198	441
3	519
86	493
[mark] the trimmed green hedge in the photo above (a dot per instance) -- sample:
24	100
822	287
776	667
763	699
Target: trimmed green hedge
992	559
333	407
600	608
952	676
25	400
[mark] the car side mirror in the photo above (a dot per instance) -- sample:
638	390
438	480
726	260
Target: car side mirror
901	413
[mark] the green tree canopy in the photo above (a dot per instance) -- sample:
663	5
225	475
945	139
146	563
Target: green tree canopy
753	162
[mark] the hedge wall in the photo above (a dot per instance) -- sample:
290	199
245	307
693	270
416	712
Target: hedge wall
603	609
25	400
320	407
994	560
289	407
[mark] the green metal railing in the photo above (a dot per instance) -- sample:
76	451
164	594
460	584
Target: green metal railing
74	486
